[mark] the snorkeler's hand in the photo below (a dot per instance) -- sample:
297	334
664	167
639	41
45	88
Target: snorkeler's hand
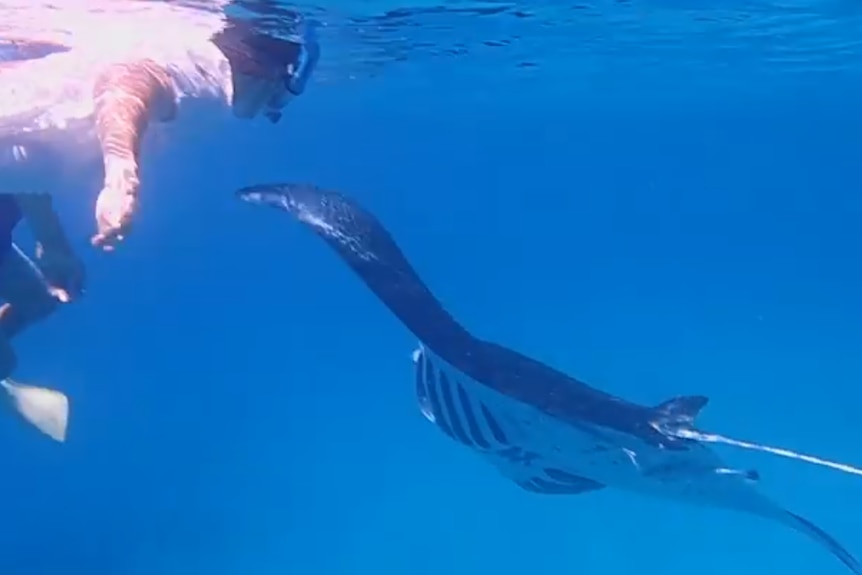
115	207
63	272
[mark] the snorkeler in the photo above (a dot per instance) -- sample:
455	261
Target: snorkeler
31	292
96	98
255	73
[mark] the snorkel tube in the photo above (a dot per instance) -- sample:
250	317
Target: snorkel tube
309	53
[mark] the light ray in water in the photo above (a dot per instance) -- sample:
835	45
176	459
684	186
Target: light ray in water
715	438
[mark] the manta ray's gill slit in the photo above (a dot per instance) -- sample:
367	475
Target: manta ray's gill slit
439	416
472	423
550	487
451	411
422	390
496	429
454	409
563	476
539	485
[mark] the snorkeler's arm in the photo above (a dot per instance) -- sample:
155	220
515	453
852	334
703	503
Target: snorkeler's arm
127	97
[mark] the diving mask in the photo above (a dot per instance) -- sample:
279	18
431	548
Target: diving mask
299	72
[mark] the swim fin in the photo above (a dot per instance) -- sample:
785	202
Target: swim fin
47	409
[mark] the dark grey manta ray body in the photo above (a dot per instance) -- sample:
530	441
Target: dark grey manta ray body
544	430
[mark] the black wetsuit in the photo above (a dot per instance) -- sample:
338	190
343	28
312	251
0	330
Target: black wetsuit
10	216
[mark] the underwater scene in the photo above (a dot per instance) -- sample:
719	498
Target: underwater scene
424	287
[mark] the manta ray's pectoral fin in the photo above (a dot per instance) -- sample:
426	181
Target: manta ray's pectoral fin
679	411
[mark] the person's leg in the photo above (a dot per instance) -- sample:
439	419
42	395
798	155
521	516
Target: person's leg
27	298
8	359
27	295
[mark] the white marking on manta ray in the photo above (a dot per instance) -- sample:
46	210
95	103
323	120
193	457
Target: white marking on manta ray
306	215
534	442
351	243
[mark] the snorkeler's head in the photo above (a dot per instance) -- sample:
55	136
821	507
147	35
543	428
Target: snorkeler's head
267	71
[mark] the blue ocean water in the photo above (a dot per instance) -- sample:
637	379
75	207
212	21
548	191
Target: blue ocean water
658	199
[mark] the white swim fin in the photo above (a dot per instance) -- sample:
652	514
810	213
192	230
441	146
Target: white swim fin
47	409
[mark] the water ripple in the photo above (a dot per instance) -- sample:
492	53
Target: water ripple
628	42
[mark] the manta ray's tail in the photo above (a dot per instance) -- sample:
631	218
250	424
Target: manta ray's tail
676	417
366	246
715	438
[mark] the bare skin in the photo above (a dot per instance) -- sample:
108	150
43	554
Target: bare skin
127	98
130	95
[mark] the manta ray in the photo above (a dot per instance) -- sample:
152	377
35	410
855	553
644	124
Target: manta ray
547	432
